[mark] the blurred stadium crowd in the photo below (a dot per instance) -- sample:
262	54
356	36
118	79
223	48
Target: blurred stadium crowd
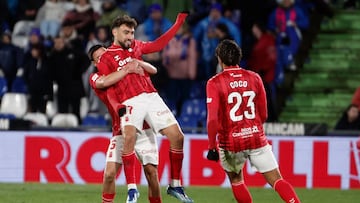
44	68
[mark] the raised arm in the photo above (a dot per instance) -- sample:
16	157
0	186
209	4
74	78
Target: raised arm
160	43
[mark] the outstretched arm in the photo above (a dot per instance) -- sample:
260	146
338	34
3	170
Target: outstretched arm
160	43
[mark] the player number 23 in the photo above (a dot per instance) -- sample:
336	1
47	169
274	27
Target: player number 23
238	98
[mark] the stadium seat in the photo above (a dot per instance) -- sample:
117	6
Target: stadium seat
198	90
93	119
188	124
194	107
14	103
3	84
193	115
84	107
19	84
39	119
66	120
51	109
7	116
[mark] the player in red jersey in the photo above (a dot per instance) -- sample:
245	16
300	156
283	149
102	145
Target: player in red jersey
236	104
146	143
138	93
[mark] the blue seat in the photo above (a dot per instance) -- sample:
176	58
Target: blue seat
193	115
188	124
19	85
194	107
94	120
7	116
198	90
3	86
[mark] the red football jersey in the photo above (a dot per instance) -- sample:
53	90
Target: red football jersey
102	94
114	59
236	104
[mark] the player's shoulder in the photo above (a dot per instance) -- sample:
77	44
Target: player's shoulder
250	73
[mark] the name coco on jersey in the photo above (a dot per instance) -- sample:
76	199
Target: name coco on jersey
238	83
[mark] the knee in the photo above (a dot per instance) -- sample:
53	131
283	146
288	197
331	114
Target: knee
109	176
151	172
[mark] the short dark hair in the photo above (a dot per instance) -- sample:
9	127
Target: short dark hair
92	50
229	52
124	19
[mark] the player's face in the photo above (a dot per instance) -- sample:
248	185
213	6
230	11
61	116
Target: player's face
124	36
97	54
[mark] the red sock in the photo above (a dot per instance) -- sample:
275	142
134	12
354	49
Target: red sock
241	192
129	167
176	158
286	191
108	198
154	199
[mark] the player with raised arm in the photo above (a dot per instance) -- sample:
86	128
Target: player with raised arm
236	104
137	92
146	143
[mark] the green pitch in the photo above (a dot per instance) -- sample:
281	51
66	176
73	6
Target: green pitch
66	193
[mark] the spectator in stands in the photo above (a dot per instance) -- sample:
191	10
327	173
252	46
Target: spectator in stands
69	33
287	21
262	60
204	34
68	65
156	24
200	10
27	9
7	15
179	59
221	33
49	18
350	119
83	18
35	38
356	97
110	11
101	36
11	57
38	78
137	10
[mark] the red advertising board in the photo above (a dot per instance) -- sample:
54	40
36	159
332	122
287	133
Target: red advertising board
79	157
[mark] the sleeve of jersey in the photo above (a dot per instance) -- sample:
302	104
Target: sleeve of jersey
212	102
262	103
160	43
104	66
92	80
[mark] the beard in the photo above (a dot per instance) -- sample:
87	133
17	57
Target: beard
125	44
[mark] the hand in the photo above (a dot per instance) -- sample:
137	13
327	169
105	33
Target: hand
181	16
131	66
213	155
121	110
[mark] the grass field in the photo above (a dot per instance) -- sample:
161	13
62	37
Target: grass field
68	193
